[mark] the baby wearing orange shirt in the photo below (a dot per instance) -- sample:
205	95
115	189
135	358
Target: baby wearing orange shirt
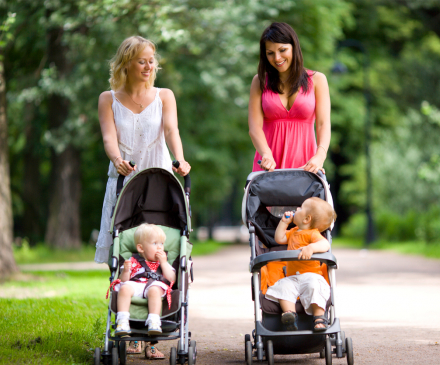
306	280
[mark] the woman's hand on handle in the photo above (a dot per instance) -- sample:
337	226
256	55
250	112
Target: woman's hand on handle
183	169
316	162
268	163
123	167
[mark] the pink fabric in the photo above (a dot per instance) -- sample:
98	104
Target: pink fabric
290	134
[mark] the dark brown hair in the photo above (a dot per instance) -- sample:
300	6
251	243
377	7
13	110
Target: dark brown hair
298	77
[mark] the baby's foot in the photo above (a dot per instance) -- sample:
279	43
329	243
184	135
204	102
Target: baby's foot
122	328
289	320
154	327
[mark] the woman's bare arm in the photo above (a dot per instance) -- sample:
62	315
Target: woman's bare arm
255	120
323	128
109	136
171	130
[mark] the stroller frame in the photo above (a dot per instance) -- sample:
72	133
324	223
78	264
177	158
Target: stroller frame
264	337
114	350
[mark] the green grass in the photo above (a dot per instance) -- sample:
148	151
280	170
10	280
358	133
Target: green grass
61	329
61	318
41	254
430	250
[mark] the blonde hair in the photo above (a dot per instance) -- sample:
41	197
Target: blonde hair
145	231
127	51
322	213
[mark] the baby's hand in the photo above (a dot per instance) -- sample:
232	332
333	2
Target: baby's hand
161	256
287	217
127	266
306	253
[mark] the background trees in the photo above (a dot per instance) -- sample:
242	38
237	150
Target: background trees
58	64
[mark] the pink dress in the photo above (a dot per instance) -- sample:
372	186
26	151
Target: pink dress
290	134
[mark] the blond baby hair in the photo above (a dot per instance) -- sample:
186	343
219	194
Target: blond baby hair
322	213
145	231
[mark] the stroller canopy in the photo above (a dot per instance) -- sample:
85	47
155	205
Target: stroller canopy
288	187
152	196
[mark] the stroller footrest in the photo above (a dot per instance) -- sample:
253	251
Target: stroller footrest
263	331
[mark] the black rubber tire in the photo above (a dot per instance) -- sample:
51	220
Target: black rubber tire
269	352
123	352
191	358
344	347
97	356
349	350
328	351
322	353
247	338
194	345
115	357
173	356
248	352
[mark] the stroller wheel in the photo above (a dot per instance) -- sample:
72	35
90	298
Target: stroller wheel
328	351
123	352
97	356
173	356
248	352
192	353
115	357
349	349
269	352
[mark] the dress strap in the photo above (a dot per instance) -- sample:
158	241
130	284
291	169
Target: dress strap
113	95
157	92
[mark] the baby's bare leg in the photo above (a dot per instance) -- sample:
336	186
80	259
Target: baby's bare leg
124	298
287	306
317	311
155	299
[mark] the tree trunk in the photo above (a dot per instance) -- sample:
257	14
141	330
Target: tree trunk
33	207
63	226
7	261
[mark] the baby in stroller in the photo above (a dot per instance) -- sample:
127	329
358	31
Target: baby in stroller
146	274
305	280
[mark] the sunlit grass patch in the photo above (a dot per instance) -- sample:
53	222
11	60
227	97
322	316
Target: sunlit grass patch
62	329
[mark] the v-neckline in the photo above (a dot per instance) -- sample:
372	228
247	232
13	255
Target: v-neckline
132	110
296	97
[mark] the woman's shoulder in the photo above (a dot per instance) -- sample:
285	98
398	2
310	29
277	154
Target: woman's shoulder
105	96
166	94
255	85
318	77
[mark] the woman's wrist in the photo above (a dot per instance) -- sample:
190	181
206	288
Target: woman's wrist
116	159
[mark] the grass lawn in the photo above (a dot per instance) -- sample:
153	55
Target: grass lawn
430	250
41	254
60	320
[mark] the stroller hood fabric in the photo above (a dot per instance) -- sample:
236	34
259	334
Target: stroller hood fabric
155	196
278	188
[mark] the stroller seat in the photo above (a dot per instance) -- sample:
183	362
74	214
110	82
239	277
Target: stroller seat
139	307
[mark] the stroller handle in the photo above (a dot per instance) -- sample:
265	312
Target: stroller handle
186	178
120	182
319	173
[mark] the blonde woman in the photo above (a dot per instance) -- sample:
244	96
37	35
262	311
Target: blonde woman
137	121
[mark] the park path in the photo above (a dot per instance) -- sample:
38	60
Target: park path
387	303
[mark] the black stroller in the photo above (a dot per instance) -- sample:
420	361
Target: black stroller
267	196
152	196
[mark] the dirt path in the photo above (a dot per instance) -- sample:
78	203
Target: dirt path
387	303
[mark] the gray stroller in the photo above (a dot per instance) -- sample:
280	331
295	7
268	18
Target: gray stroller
152	196
267	196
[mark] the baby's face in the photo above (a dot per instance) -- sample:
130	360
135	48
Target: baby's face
301	213
149	247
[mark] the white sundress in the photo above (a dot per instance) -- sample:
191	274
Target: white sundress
141	139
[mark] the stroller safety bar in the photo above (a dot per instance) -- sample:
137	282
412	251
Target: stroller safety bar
260	261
